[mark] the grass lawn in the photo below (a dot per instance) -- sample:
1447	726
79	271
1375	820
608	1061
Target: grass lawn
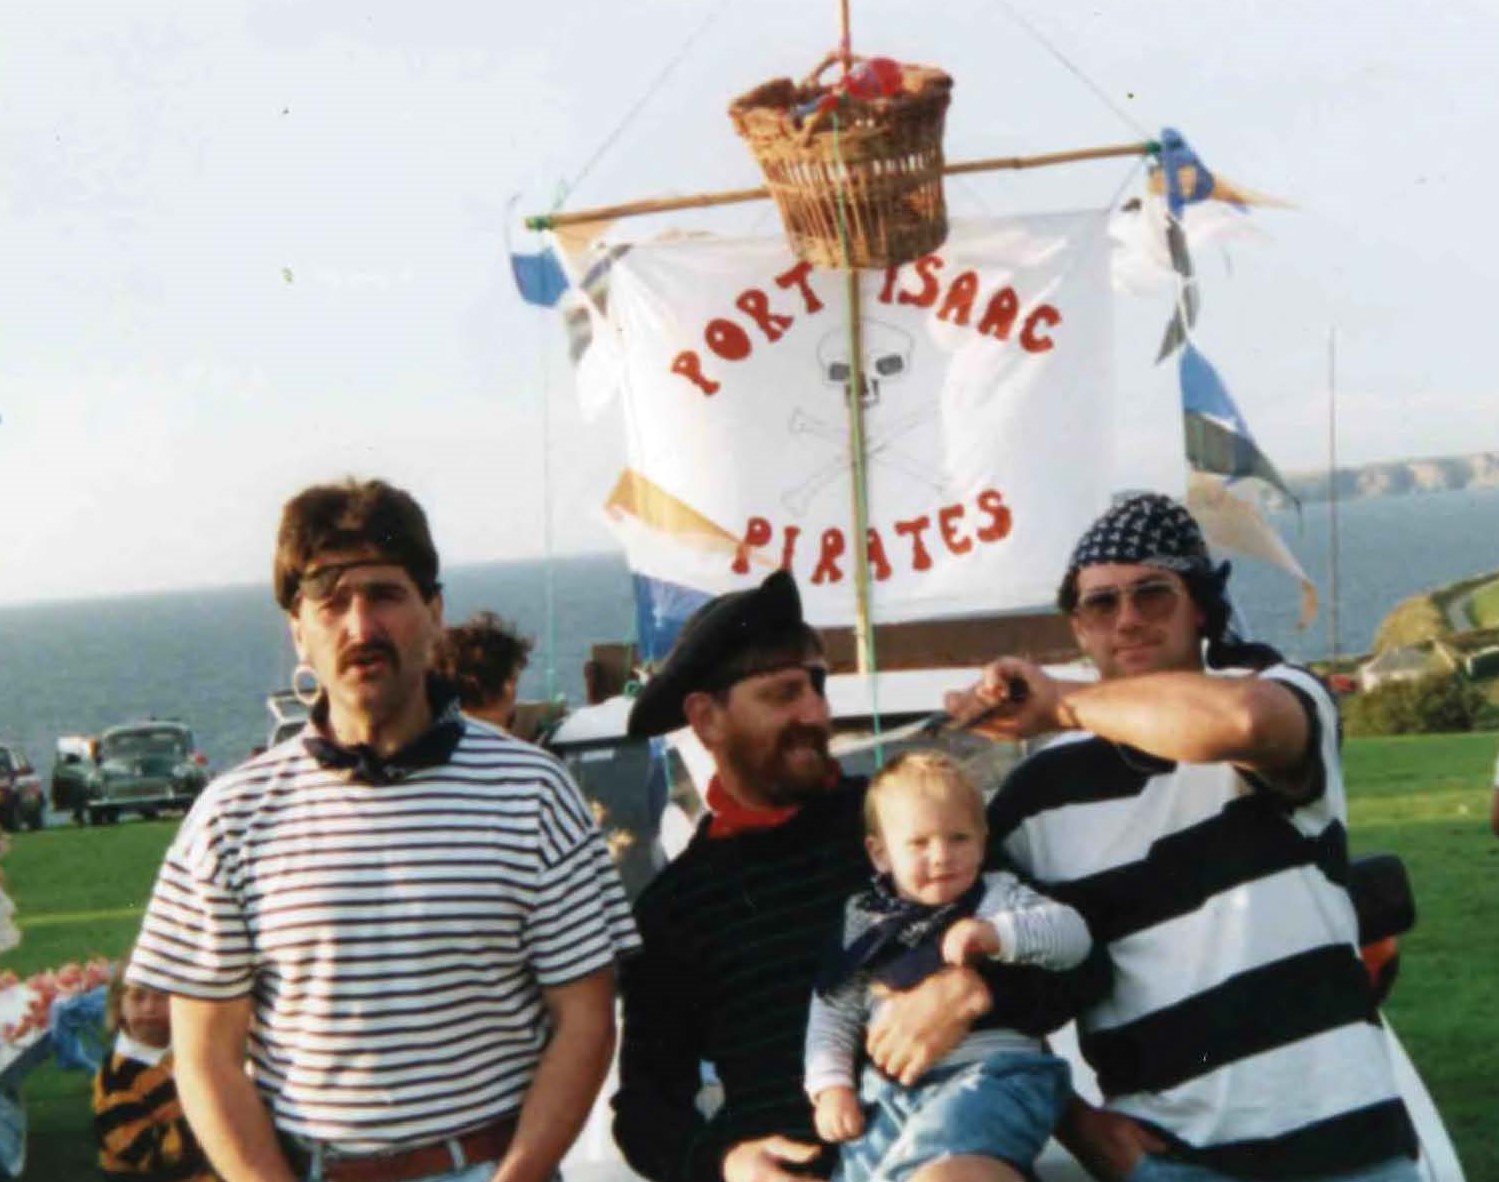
80	891
1483	608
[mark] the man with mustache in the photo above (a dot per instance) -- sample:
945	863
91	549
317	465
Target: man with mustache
405	921
1198	822
734	929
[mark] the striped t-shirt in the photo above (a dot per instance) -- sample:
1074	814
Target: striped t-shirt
395	939
1241	1024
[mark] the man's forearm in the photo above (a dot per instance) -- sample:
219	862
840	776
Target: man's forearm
230	1121
1193	718
567	1081
221	1102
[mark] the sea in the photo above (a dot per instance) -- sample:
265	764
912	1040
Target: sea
211	657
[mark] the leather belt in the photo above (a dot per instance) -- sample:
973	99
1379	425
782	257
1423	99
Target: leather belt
487	1143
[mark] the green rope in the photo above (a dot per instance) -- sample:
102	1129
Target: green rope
856	444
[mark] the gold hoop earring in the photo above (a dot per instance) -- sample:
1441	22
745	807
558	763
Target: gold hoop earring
305	686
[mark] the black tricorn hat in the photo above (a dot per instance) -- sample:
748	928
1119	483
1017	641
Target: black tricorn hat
714	634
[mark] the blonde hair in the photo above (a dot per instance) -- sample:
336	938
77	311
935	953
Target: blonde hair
925	772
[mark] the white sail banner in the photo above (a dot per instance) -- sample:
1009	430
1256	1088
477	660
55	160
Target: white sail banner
989	421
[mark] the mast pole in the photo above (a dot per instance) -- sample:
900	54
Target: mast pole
630	209
1332	490
858	484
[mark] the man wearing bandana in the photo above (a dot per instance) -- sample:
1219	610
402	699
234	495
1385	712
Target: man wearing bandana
1197	820
404	921
734	929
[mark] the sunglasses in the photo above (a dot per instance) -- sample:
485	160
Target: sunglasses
1153	600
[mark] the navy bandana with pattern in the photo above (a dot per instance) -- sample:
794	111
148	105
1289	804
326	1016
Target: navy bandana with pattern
1145	530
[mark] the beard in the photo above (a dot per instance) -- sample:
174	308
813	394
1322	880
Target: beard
794	769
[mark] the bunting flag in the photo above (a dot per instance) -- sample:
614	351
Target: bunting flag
979	361
1184	313
539	277
1233	524
1185	180
1218	438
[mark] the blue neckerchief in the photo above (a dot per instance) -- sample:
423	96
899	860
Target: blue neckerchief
899	942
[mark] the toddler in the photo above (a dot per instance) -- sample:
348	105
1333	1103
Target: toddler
142	1132
987	1109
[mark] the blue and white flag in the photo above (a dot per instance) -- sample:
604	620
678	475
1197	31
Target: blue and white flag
1218	438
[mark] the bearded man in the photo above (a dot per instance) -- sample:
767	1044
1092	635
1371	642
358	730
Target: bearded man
733	931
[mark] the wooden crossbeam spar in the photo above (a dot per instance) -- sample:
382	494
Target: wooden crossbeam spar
609	213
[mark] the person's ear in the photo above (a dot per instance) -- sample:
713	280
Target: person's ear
878	854
704	717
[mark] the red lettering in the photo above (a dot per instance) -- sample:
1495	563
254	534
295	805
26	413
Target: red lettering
921	559
828	569
999	316
887	292
690	366
727	339
878	563
1000	518
757	532
927	267
754	304
958	305
1031	340
797	278
947	523
788	547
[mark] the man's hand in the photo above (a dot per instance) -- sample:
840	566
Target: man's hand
969	940
1108	1145
837	1114
764	1160
1038	710
919	1026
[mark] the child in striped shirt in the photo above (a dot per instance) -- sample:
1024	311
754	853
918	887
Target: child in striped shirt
142	1131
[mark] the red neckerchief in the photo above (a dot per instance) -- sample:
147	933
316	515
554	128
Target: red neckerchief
730	818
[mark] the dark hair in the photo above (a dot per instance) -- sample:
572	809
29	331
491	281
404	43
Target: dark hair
791	647
353	515
1208	590
480	655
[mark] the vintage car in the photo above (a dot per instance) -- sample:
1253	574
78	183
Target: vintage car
71	765
142	767
21	800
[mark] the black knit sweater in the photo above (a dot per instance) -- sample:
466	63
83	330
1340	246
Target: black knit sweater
733	932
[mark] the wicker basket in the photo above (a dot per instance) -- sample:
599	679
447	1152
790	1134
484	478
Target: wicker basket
874	165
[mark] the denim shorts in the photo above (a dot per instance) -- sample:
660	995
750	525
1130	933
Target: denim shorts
1003	1107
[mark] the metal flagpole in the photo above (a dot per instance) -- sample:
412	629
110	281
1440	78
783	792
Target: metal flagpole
1332	490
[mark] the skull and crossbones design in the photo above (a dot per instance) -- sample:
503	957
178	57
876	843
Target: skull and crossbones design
885	359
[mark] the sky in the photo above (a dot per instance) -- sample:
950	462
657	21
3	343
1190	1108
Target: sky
256	244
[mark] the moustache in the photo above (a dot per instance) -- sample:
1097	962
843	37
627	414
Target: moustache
804	736
375	648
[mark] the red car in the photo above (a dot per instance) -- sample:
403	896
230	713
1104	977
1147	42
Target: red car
21	798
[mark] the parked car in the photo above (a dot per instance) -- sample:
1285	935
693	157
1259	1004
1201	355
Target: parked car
143	767
21	800
71	766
